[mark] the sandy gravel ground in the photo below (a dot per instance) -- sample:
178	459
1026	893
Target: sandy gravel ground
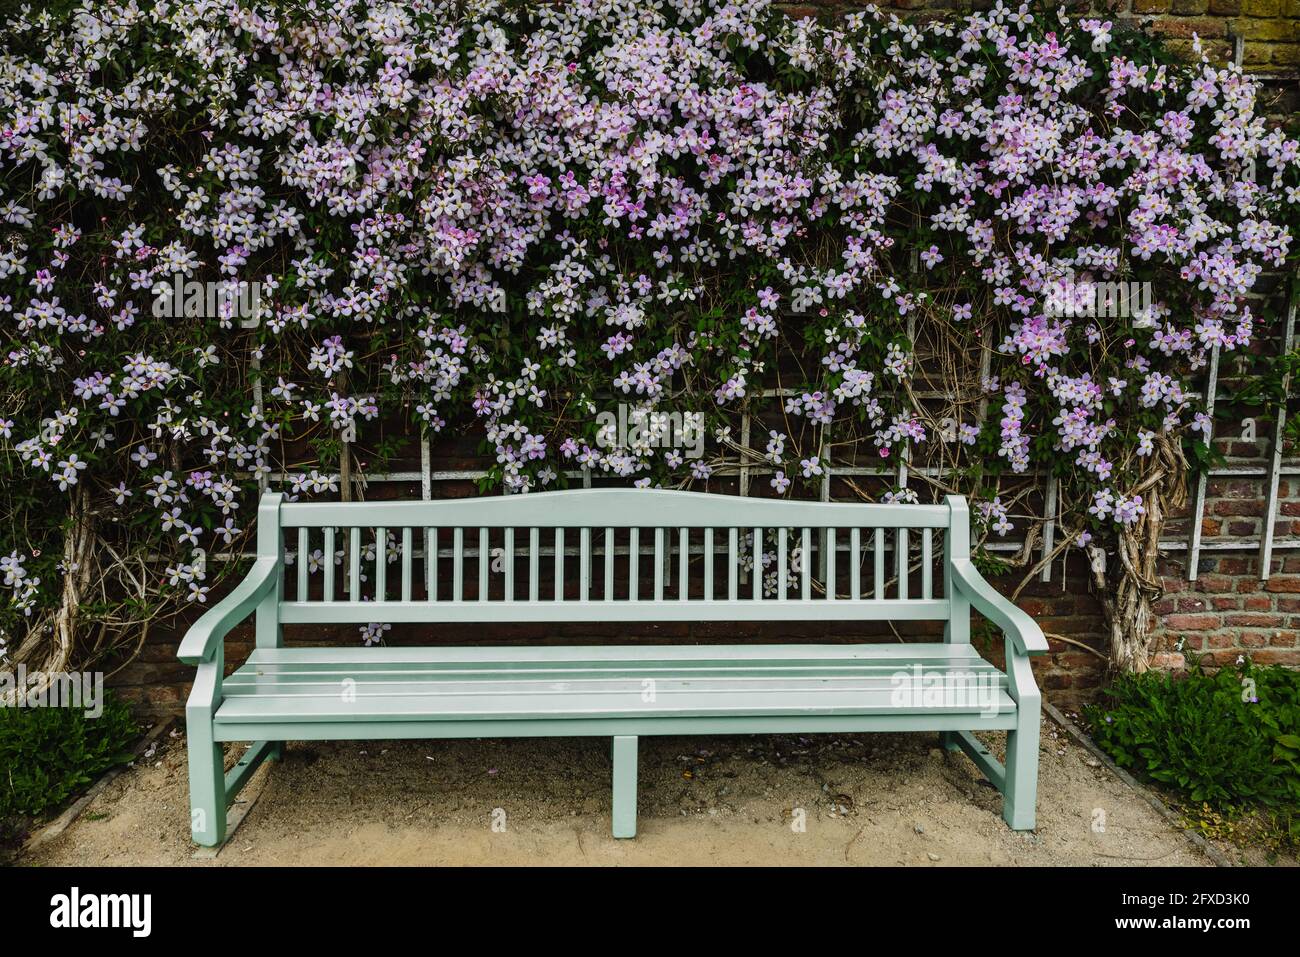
864	799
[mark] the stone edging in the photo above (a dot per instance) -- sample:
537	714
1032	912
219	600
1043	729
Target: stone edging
73	811
1210	851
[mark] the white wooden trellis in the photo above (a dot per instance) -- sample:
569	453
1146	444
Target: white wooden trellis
1267	542
1272	473
1049	527
255	367
1194	545
1198	502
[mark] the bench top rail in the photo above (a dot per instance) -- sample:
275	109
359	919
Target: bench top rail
616	507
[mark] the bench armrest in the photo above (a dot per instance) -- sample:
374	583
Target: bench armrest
1022	630
200	643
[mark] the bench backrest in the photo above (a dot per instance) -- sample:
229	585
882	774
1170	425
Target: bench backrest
623	555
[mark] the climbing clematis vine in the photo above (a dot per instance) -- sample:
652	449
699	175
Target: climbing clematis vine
507	217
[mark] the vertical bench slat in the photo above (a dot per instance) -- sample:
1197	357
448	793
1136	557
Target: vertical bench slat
878	580
666	558
431	562
855	563
584	564
708	564
354	564
633	562
733	564
509	542
683	565
534	549
458	564
406	563
609	563
559	564
659	564
782	573
927	555
329	563
830	565
805	584
900	545
302	563
822	561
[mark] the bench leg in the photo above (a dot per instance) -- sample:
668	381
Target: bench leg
624	754
948	741
1020	786
207	785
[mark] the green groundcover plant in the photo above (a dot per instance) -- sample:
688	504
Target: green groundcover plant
49	754
1229	741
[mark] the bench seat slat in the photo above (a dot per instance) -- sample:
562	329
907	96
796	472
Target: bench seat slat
304	684
523	707
271	699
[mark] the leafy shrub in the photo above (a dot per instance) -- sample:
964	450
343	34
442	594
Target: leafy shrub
49	754
1229	740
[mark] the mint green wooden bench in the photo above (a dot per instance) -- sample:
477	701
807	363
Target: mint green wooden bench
618	550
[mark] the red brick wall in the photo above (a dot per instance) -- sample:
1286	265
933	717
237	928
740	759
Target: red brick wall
1228	611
